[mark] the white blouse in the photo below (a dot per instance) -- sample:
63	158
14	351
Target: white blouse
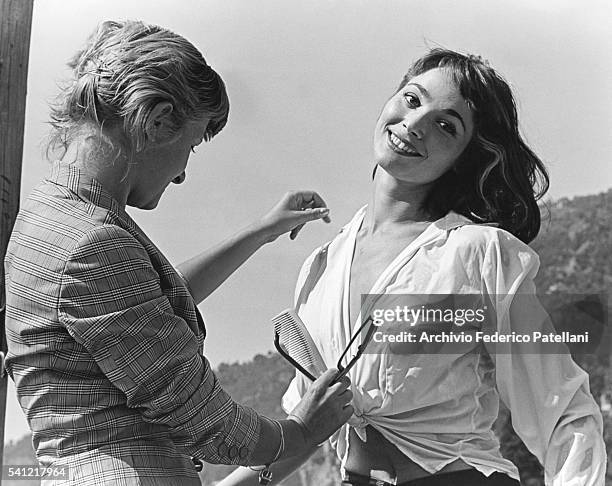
436	408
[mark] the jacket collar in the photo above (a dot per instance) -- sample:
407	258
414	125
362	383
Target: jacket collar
87	188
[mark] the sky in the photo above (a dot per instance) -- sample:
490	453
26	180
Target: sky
306	82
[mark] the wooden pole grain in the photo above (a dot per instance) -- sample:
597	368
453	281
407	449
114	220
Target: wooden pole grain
15	28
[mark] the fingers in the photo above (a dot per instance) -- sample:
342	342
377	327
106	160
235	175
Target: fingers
293	211
345	380
326	381
307	215
311	214
311	200
347	411
341	383
326	378
342	391
318	202
324	408
345	397
295	231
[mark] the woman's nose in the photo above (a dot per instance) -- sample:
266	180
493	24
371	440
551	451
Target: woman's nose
414	128
180	178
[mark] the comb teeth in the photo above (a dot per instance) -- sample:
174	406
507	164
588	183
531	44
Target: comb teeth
297	342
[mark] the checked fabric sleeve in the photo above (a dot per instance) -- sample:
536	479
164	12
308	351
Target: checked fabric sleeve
111	303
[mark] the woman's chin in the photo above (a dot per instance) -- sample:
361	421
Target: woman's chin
391	169
145	205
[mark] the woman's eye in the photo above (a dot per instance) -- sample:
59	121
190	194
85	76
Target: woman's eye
447	127
412	100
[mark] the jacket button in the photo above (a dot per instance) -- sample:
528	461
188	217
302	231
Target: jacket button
244	451
198	465
222	450
233	452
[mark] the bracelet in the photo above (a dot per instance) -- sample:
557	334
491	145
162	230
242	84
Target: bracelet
298	420
265	475
281	446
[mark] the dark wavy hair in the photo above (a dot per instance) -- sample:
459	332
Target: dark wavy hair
497	178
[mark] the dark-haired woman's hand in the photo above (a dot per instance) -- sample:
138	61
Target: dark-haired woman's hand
292	212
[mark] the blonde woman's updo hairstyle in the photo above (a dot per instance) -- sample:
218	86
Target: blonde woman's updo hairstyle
123	72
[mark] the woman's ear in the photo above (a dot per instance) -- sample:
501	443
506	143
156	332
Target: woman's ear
158	126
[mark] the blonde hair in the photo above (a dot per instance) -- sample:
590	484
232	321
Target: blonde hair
124	71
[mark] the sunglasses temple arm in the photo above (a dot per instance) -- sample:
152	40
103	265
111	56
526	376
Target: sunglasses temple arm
290	359
343	370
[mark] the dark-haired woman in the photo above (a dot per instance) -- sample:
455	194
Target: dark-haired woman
452	209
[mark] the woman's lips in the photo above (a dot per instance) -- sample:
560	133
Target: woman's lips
403	147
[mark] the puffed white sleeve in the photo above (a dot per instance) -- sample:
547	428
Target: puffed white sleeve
552	408
298	386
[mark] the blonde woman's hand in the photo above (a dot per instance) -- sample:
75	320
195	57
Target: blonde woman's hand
292	212
324	408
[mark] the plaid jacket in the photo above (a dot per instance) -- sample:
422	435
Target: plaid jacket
105	346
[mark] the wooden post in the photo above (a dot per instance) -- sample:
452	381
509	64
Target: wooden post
15	27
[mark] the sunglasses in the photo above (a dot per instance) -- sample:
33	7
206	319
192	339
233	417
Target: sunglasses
294	343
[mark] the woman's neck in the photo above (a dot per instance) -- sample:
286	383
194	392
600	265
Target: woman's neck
103	160
395	203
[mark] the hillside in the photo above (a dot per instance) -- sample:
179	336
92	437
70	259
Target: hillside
574	245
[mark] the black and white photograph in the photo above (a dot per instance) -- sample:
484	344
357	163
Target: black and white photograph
332	242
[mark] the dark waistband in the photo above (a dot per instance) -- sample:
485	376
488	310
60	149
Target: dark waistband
361	480
466	477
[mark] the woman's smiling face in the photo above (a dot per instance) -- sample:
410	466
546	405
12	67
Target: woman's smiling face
423	128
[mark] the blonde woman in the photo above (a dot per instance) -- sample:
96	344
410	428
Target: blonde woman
105	339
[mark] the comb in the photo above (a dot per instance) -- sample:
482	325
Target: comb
294	343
